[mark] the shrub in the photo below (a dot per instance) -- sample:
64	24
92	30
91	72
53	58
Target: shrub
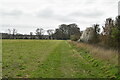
74	37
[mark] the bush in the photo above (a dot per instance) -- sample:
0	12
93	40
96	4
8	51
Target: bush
74	37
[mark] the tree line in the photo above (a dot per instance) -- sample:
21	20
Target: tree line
62	33
110	36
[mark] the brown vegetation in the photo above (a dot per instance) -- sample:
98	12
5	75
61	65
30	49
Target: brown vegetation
111	33
109	55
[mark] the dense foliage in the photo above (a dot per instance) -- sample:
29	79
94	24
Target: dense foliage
111	33
64	31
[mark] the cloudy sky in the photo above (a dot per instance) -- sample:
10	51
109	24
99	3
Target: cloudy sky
27	15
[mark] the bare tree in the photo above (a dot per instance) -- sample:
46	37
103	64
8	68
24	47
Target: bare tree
109	24
96	33
39	32
50	33
9	33
31	34
14	32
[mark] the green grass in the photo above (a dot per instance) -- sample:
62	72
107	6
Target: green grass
51	59
0	58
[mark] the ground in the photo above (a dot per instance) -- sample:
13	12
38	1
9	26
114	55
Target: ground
51	59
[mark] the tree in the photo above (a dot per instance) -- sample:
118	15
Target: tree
58	34
14	31
96	32
96	28
109	24
9	33
116	33
111	33
61	32
39	32
73	29
50	33
107	31
65	31
31	34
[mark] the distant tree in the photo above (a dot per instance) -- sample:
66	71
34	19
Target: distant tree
107	31
65	31
73	29
61	33
9	33
58	34
4	36
14	31
96	32
109	24
39	32
96	28
31	34
50	33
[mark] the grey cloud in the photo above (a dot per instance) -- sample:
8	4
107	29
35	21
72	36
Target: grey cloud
87	14
90	1
50	14
11	13
71	17
46	13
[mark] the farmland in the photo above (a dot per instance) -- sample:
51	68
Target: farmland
51	59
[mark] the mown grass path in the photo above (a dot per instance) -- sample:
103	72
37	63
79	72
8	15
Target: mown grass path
48	59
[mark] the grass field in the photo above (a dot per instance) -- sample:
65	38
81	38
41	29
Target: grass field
51	59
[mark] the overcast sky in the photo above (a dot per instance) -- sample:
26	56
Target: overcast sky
27	15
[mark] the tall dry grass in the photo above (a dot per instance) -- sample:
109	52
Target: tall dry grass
109	55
